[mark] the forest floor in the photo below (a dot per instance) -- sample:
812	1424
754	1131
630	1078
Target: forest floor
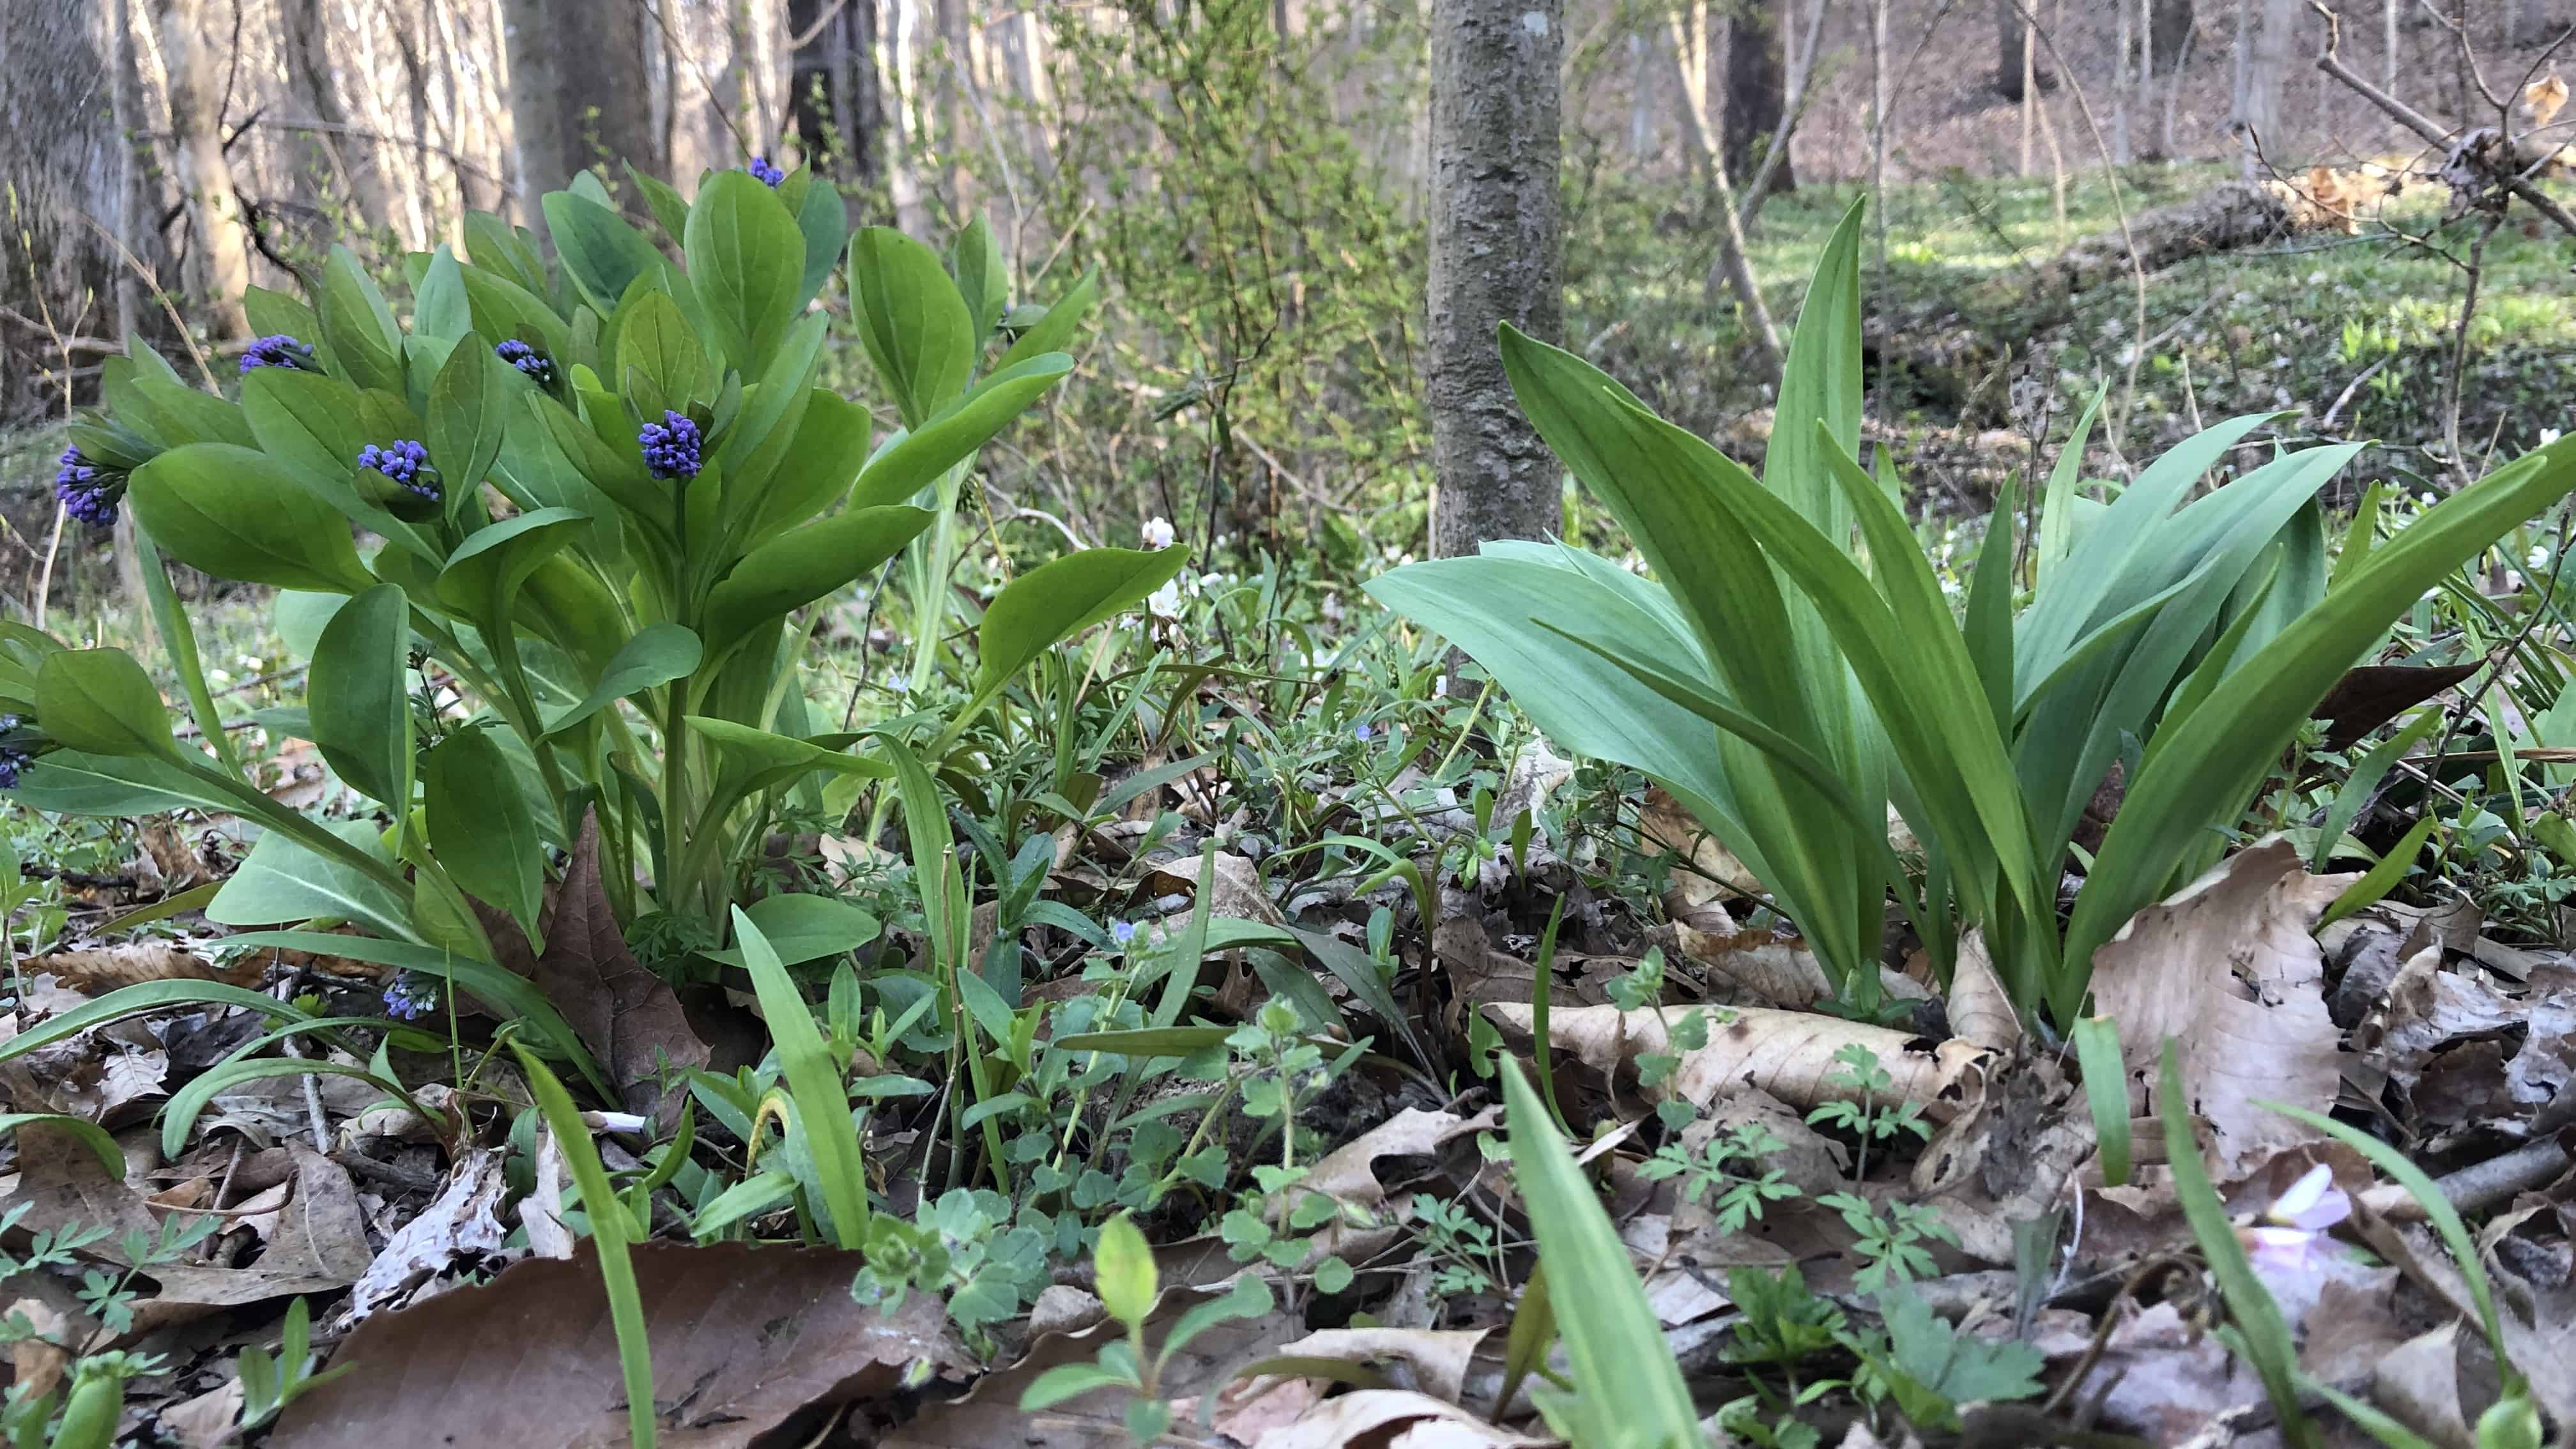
1854	1233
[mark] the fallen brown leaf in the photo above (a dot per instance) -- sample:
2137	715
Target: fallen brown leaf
96	970
318	1245
742	1338
2419	1385
2227	970
1395	1418
1434	1361
1789	1054
2009	1156
459	1228
1980	1012
626	1015
1348	1174
2544	1069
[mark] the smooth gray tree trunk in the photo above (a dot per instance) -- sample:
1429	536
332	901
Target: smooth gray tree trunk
1496	230
219	259
581	94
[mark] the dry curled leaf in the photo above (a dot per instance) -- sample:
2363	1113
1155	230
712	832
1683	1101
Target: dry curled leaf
1789	1054
1395	1418
2226	969
1348	1175
742	1338
96	970
626	1015
1979	1010
460	1227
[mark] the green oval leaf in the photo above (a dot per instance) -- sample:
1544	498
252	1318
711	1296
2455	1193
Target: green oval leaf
101	701
234	513
747	261
480	828
1063	598
360	709
915	326
792	571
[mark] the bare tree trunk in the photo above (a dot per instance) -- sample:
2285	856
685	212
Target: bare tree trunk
2121	153
2169	24
1878	135
1733	268
581	92
2388	46
1757	88
903	72
220	256
1495	236
2016	60
2263	45
349	163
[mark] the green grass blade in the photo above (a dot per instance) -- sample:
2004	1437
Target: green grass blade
2106	1092
128	1001
814	1080
2437	1210
2266	1338
2383	877
1621	1362
90	1134
613	1231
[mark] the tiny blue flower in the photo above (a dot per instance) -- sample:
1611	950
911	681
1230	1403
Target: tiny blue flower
1122	932
1362	733
673	447
278	350
88	489
409	998
406	462
767	174
538	368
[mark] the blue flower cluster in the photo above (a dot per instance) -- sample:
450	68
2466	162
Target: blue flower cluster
13	761
409	998
673	447
278	350
406	462
88	489
767	174
538	368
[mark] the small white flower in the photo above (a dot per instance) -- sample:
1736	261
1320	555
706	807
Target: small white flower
2425	500
2549	436
1159	532
2538	558
1165	603
1440	687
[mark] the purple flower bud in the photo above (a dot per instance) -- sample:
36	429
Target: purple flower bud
767	174
538	368
88	489
278	350
409	998
673	447
406	462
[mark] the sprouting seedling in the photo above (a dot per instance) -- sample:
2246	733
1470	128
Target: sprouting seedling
1123	1269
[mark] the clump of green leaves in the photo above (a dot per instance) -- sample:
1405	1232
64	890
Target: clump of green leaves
2187	634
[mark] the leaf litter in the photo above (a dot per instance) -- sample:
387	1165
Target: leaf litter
429	1260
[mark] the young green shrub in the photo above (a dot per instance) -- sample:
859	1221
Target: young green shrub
607	481
1795	668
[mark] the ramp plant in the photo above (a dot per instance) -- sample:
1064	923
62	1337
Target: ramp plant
1792	669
